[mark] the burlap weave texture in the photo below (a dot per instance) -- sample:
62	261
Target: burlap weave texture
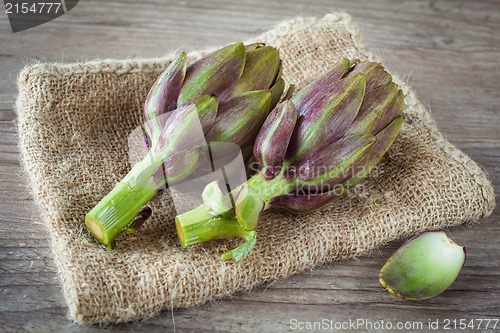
74	121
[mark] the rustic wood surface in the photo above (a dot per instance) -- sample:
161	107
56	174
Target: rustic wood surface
449	51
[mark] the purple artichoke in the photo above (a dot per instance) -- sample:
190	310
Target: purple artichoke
309	151
223	97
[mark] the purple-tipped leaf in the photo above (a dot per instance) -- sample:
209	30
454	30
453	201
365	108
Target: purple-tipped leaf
216	74
178	166
272	141
239	119
366	162
163	95
261	68
384	140
374	73
328	116
306	95
320	167
395	111
185	127
380	106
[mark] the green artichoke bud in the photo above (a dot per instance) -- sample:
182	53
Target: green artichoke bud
314	146
423	267
223	97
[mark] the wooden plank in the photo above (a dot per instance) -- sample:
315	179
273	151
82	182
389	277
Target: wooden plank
449	52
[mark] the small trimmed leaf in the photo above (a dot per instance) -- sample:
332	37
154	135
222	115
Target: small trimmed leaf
423	267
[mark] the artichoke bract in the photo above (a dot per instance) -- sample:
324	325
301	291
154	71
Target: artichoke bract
309	151
423	267
223	97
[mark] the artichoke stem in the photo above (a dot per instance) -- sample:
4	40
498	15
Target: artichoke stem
266	190
192	229
202	224
120	207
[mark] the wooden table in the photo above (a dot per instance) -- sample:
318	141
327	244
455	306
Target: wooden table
449	51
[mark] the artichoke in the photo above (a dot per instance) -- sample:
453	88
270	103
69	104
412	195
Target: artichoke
223	97
309	151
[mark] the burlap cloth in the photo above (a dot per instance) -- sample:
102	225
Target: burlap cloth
74	120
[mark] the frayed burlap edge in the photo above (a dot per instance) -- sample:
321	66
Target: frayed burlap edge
150	272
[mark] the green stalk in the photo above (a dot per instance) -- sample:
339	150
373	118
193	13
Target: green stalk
214	228
269	189
117	209
202	224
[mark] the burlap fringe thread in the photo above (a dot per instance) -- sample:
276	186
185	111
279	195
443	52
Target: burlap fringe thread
74	120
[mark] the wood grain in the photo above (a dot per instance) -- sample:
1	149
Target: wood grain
449	51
